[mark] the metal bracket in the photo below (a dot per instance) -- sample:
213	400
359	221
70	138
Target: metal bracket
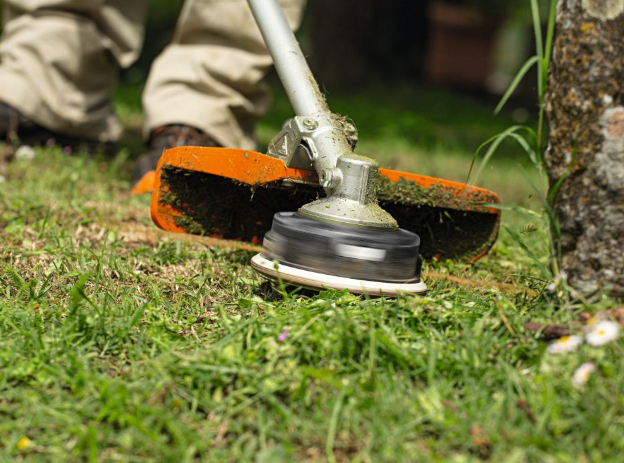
295	143
324	142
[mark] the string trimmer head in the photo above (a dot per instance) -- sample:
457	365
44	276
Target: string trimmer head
327	217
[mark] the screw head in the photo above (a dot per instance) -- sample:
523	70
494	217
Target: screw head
326	178
330	178
310	124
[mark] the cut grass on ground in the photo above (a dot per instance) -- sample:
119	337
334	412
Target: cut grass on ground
119	344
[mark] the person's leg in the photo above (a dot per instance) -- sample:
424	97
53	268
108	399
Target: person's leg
59	61
211	76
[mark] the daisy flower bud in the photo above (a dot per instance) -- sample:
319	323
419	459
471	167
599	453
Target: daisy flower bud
582	374
24	443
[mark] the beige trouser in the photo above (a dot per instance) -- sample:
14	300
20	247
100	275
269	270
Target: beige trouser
59	61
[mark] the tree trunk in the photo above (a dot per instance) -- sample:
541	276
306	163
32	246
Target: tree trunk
585	109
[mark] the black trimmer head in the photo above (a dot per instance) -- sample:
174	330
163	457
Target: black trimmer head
317	254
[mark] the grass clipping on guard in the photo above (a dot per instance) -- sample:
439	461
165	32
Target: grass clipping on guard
210	205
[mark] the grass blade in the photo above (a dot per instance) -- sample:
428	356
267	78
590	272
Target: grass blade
516	81
528	150
519	209
550	34
539	48
547	273
494	143
333	426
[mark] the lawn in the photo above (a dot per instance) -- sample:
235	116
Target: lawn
121	343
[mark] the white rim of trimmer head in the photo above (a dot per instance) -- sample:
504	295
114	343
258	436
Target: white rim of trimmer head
315	280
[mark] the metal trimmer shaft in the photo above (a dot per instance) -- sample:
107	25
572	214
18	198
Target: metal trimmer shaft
350	181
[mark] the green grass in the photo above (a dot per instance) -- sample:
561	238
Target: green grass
120	344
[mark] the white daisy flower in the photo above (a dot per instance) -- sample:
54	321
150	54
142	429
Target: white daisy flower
582	374
602	333
25	153
565	344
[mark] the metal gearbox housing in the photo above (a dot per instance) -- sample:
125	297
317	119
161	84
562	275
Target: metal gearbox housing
324	142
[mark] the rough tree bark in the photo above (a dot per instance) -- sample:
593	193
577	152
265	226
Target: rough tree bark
585	109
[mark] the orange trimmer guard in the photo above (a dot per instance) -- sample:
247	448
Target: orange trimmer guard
233	194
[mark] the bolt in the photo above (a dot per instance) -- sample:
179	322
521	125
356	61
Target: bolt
326	178
310	124
330	178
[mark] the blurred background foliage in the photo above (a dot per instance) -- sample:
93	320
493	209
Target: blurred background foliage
353	44
374	61
419	78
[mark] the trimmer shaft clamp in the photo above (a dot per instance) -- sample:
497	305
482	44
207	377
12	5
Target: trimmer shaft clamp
295	143
349	180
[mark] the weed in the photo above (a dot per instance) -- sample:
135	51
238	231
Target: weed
532	142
